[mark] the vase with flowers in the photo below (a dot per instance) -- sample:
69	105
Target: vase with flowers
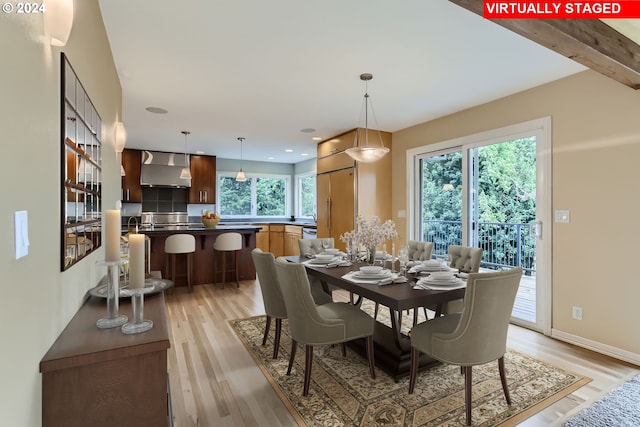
369	234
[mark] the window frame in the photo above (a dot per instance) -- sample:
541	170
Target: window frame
298	194
254	194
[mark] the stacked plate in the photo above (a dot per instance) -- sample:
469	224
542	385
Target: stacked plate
432	265
441	280
372	273
321	259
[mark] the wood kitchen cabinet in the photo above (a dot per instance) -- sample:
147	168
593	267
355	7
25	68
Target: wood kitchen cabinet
203	180
262	237
131	188
292	233
276	240
346	188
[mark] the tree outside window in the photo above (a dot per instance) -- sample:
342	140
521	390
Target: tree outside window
258	196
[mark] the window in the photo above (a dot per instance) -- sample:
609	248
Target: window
306	195
258	196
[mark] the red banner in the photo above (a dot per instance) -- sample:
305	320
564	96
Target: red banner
518	9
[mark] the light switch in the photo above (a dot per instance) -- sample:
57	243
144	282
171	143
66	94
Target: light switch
21	234
563	216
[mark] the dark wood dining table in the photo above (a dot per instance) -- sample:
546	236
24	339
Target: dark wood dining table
392	347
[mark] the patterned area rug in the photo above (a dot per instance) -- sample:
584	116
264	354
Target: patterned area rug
620	408
343	394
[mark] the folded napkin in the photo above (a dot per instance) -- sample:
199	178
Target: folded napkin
339	263
393	278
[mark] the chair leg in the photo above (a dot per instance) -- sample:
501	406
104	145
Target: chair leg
276	342
308	361
266	330
294	347
224	268
467	393
370	357
235	257
189	268
215	268
438	311
503	379
344	349
413	369
375	311
173	269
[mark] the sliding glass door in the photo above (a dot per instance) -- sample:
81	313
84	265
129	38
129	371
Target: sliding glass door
488	191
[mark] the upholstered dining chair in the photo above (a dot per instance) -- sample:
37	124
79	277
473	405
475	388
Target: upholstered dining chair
419	251
274	306
465	259
310	247
476	336
325	324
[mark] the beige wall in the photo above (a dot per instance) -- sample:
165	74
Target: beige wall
36	299
596	151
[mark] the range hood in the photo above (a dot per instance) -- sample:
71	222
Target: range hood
161	169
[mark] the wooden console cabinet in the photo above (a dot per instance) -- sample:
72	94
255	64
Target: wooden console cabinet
101	377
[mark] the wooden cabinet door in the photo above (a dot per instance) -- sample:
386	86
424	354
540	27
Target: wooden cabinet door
342	206
292	234
323	200
203	179
276	239
131	188
262	238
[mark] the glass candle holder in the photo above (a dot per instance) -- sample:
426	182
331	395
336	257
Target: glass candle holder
113	318
138	323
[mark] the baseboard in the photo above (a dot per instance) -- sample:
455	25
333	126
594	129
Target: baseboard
598	347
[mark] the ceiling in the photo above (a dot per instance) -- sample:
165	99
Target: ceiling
266	70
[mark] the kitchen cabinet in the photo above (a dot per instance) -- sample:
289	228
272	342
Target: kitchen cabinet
262	237
276	239
292	233
131	188
203	179
346	188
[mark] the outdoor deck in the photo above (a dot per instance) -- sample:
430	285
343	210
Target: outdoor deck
525	304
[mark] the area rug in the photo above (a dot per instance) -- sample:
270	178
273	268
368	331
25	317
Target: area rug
620	408
343	394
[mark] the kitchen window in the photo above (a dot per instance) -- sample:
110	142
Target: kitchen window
306	195
260	196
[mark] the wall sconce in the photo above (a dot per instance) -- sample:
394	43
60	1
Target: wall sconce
121	137
58	20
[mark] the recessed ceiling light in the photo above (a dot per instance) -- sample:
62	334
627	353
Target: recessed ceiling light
307	130
304	154
271	158
317	138
199	152
288	150
156	110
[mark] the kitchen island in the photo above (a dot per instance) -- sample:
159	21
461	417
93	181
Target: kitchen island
203	257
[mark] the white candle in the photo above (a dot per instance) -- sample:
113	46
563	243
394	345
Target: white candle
113	229
136	261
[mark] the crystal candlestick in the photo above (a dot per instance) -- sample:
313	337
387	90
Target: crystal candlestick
113	319
137	324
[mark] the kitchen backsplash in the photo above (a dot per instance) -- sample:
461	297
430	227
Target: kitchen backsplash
161	199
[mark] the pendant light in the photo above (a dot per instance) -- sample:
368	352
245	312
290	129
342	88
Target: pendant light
241	177
186	170
361	150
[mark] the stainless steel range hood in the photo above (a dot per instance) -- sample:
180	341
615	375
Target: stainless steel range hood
161	169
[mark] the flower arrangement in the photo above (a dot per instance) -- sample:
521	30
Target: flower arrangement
369	234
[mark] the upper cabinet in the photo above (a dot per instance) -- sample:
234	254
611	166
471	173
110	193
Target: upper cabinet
131	189
203	179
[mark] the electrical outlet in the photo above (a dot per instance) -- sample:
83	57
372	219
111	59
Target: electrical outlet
577	312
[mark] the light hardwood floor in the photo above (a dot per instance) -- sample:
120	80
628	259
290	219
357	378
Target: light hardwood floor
215	382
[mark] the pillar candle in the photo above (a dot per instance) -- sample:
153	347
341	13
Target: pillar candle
136	261
113	229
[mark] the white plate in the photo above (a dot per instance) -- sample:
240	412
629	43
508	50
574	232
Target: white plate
321	261
438	287
376	276
453	282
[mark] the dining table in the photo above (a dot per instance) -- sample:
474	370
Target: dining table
392	348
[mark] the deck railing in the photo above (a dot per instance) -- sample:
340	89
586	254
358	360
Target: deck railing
504	245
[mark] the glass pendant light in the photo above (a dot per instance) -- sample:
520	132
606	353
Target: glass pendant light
186	170
241	177
361	150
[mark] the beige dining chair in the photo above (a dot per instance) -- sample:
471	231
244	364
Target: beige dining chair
465	259
325	324
476	336
274	307
419	251
310	247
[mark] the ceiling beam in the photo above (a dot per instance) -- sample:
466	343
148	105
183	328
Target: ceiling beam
590	42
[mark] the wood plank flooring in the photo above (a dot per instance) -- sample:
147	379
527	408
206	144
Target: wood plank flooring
215	382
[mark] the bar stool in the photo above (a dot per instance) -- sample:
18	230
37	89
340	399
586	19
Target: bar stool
177	244
226	242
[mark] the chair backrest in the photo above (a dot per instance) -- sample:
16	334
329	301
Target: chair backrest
465	258
313	246
265	264
307	326
180	244
419	251
481	334
228	242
